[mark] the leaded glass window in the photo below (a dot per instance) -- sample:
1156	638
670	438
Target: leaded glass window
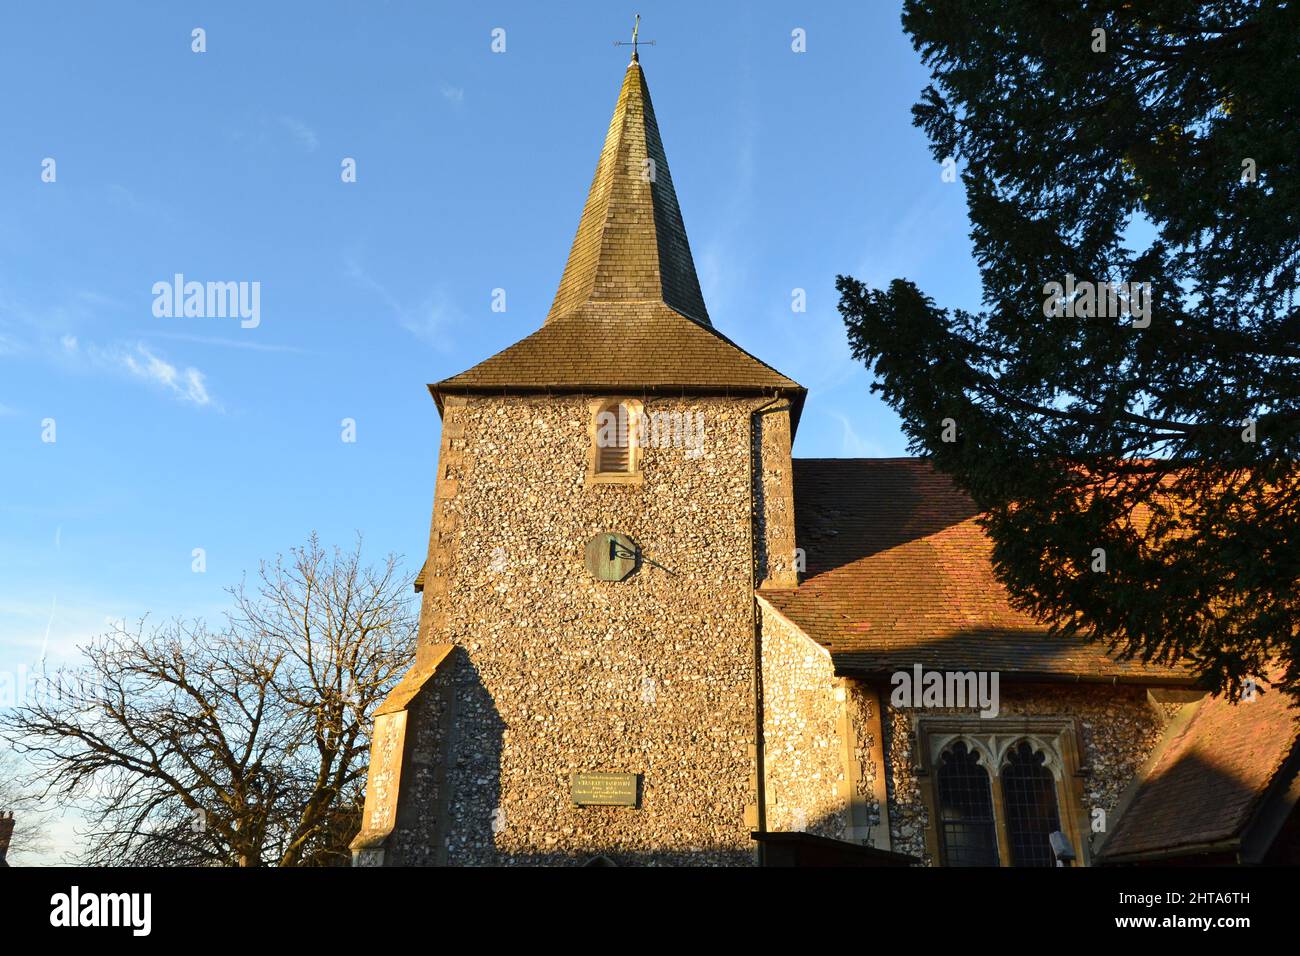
966	824
1029	796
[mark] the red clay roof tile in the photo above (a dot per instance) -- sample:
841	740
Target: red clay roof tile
1205	786
899	573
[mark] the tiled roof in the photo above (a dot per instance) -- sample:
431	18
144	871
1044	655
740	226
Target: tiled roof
628	314
899	574
1206	783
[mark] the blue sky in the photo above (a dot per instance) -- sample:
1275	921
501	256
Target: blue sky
472	168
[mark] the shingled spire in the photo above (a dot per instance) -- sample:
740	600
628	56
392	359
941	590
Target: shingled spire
631	244
628	316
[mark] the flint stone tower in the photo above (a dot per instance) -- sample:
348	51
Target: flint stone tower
585	685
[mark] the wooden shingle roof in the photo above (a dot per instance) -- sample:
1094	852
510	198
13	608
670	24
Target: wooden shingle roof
621	346
899	573
631	244
628	314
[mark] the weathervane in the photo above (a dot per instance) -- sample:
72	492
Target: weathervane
636	26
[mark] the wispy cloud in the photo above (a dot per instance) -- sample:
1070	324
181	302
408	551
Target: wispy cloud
904	244
24	328
304	134
44	630
143	364
147	206
139	362
121	196
452	94
724	256
852	444
188	384
430	321
227	343
45	643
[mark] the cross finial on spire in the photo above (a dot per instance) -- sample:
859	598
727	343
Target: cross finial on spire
636	28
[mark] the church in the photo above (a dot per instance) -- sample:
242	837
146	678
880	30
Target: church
650	636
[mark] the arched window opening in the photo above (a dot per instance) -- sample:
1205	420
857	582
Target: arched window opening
1029	795
966	826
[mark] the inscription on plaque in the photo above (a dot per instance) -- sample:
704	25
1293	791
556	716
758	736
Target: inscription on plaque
603	789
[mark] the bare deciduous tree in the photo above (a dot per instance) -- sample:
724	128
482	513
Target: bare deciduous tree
239	746
31	836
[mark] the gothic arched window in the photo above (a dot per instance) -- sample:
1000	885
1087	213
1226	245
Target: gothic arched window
615	432
1029	795
996	789
966	825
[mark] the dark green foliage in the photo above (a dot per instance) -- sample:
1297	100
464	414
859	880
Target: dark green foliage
1082	432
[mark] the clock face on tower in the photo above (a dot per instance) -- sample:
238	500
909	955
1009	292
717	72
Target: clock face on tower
610	556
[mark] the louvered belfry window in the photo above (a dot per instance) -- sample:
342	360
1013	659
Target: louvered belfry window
616	426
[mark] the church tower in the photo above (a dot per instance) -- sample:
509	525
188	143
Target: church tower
610	492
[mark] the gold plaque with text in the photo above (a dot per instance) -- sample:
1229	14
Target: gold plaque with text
604	789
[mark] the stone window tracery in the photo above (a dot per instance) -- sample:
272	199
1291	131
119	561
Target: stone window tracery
997	788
